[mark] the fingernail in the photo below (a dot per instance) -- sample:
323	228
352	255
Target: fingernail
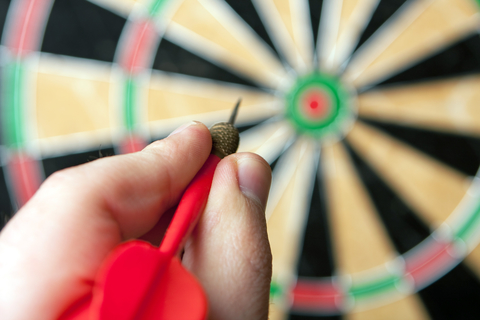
183	127
254	179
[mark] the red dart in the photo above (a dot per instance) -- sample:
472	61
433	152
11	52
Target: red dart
141	282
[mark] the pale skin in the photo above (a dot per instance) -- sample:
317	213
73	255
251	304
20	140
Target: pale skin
51	250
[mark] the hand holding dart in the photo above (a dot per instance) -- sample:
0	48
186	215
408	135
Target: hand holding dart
139	281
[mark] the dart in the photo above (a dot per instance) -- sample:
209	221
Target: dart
139	281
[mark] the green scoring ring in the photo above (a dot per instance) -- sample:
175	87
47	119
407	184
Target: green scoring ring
340	107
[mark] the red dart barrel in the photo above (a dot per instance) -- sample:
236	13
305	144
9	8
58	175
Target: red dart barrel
189	209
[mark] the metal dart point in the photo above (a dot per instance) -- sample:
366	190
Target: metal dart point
225	137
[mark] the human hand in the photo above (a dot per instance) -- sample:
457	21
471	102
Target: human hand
51	250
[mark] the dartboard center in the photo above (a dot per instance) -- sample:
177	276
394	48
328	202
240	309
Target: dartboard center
319	105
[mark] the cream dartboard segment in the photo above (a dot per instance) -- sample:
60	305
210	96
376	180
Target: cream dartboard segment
374	149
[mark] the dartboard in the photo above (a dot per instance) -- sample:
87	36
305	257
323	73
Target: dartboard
367	110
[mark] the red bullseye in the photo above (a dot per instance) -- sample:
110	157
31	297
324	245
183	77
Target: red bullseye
316	104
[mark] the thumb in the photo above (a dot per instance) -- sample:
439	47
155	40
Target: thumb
229	251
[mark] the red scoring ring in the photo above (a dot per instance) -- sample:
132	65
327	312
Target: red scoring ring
315	104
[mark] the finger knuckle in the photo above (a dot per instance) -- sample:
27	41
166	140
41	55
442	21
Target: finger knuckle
62	178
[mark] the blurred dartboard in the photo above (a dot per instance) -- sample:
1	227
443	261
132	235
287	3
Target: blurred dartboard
368	112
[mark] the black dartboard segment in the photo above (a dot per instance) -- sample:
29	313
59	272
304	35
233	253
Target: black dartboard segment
82	29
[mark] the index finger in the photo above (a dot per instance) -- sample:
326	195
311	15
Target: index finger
51	250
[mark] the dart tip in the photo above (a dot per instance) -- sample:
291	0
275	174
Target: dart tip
233	117
225	137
